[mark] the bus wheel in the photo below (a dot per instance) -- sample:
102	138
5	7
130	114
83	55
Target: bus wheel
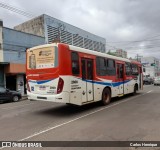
106	96
135	90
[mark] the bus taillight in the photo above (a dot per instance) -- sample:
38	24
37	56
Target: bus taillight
60	85
28	88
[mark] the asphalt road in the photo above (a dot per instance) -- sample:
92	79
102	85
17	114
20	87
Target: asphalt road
130	118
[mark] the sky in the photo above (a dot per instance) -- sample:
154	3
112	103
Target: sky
131	25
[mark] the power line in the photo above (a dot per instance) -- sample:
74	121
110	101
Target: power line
135	41
16	10
128	43
149	46
145	47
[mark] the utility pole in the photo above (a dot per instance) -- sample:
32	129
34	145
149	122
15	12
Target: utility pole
137	57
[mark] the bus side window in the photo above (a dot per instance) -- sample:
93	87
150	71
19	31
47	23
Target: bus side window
128	69
75	63
111	67
121	71
134	69
101	66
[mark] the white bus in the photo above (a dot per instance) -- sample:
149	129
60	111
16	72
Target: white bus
67	74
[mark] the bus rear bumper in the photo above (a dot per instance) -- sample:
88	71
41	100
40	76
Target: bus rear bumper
59	98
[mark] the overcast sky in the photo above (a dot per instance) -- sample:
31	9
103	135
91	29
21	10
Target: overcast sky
134	24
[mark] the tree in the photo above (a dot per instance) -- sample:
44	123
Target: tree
111	53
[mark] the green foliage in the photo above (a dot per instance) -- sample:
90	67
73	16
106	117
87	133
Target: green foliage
111	53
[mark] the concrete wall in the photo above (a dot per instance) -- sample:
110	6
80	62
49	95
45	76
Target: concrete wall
15	44
34	26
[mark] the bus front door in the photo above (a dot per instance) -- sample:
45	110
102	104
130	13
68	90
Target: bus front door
87	80
120	77
140	78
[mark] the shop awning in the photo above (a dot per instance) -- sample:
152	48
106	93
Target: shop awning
4	63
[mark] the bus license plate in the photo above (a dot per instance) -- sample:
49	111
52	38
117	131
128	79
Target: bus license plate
42	88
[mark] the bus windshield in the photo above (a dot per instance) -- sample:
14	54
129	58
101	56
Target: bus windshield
42	58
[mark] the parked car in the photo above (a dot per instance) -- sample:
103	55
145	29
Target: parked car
8	95
148	80
157	80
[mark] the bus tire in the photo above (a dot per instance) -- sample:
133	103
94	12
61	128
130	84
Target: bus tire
135	90
106	96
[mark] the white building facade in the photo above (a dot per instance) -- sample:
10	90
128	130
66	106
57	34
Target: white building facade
121	53
151	66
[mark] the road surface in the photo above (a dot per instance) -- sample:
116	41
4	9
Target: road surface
129	118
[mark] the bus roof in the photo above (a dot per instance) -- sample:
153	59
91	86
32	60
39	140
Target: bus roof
78	49
42	46
83	50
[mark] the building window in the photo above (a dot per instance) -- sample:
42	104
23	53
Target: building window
75	63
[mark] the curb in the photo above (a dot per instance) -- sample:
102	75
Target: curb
24	98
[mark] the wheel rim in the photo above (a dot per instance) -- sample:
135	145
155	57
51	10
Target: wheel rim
106	97
15	98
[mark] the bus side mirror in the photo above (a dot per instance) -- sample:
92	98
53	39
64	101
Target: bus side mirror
144	69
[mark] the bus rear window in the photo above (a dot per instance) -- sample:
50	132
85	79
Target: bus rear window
46	57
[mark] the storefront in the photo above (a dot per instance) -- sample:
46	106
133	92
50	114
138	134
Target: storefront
15	77
2	73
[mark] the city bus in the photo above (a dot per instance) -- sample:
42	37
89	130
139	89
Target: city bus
68	74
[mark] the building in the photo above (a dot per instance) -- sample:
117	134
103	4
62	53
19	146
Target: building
13	45
151	66
119	53
41	30
51	29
